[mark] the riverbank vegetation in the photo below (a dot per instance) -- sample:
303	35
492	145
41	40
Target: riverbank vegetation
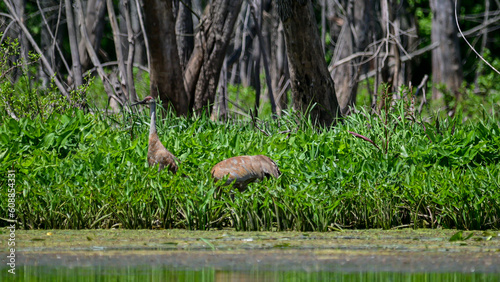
392	170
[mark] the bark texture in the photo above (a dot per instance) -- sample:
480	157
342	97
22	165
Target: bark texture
184	31
353	38
446	59
165	70
312	87
279	66
211	42
94	22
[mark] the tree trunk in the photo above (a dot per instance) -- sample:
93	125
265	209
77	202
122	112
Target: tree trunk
279	67
203	69
446	60
184	31
19	6
48	41
353	38
165	70
132	95
312	87
75	57
139	57
94	22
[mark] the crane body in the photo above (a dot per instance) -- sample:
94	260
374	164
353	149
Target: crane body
157	153
243	170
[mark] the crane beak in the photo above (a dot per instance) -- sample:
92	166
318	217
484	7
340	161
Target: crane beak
139	103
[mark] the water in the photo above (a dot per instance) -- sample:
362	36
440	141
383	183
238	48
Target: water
179	255
165	273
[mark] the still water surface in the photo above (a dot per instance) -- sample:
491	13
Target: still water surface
226	255
158	273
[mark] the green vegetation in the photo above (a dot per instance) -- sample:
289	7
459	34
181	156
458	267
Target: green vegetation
393	169
76	170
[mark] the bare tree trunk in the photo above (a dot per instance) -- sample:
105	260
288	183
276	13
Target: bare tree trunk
312	87
122	72
446	59
19	6
132	95
203	69
256	11
279	66
255	77
94	22
75	57
185	33
143	29
44	60
139	57
115	100
353	38
50	40
408	39
165	70
484	40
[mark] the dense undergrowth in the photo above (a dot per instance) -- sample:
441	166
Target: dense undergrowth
370	171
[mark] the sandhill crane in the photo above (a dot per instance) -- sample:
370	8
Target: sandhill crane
157	153
243	170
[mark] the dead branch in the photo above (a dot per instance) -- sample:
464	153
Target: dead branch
45	62
68	69
93	56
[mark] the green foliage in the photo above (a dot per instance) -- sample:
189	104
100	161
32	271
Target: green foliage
459	236
84	171
26	97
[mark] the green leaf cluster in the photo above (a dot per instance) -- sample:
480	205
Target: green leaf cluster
79	170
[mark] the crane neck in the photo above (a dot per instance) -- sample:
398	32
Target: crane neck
152	113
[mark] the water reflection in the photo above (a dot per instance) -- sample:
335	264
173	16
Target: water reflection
166	273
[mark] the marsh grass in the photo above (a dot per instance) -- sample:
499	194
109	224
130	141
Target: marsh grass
90	171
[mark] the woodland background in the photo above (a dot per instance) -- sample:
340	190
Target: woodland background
230	58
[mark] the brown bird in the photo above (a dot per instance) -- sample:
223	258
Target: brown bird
157	153
243	170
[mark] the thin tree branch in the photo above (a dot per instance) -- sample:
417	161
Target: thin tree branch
45	62
75	56
141	22
132	95
266	61
68	69
117	40
191	10
466	41
93	56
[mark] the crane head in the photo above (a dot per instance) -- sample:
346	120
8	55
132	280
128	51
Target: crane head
146	100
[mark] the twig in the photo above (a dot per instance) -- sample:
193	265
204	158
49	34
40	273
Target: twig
75	55
113	63
421	86
141	22
53	37
466	41
93	56
117	40
6	29
253	9
191	10
132	95
254	121
480	27
45	62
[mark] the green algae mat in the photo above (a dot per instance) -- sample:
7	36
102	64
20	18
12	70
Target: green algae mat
209	255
